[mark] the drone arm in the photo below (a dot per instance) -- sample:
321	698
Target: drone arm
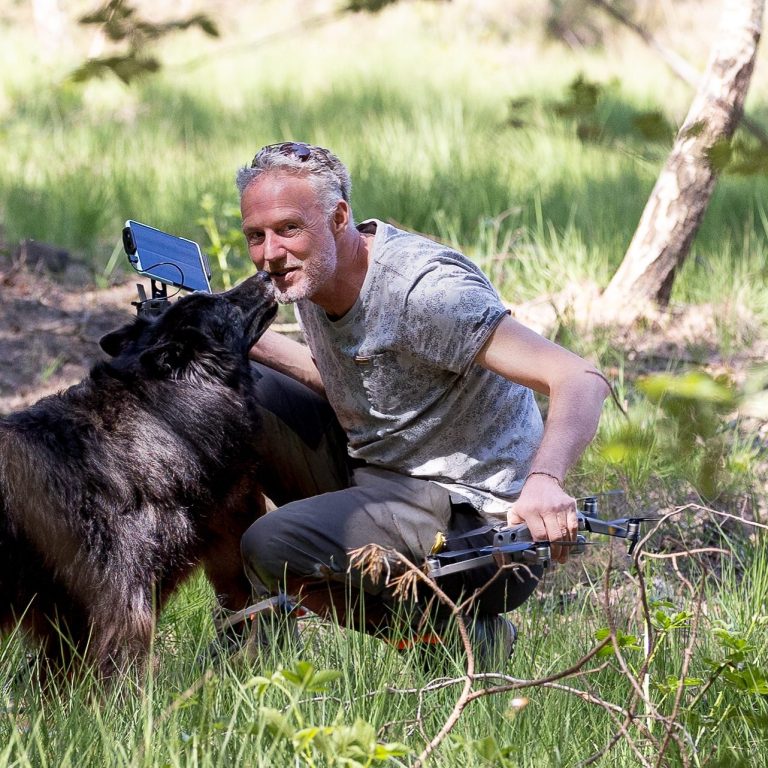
594	525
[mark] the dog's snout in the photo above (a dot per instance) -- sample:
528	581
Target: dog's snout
257	288
267	284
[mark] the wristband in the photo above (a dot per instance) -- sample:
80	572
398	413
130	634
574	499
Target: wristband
546	474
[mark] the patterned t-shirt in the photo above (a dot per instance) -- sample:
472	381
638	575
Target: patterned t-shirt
398	370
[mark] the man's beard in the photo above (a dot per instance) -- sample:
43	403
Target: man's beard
315	272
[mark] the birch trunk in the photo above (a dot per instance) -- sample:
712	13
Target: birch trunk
682	192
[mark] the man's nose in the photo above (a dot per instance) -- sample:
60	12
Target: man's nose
273	250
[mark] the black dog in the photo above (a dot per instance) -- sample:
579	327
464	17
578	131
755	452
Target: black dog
112	491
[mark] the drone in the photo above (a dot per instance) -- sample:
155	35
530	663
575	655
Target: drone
515	545
511	545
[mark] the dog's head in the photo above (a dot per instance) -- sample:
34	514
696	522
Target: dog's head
201	333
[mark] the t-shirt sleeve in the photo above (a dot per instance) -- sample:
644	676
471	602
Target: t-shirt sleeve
449	313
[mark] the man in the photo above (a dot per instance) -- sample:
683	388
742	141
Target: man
430	379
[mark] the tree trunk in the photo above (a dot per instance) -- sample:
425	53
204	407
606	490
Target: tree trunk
677	204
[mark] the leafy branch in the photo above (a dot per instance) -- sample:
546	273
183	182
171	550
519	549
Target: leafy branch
121	24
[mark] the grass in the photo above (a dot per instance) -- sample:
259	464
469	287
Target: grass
233	713
426	126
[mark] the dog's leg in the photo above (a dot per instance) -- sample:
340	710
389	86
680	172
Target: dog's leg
121	635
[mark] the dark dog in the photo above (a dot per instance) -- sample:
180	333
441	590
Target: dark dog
112	491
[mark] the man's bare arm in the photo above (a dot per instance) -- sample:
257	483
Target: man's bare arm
289	357
576	391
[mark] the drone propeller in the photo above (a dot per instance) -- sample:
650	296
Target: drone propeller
623	527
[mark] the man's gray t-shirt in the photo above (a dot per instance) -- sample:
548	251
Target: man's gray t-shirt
398	370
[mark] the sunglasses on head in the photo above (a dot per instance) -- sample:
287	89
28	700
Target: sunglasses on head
289	148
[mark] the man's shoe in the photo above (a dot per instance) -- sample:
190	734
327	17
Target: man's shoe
492	638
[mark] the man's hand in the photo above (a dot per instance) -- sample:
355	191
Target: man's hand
548	511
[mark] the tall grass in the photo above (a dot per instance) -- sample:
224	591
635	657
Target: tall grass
197	711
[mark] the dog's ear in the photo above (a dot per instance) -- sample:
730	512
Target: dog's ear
118	340
169	356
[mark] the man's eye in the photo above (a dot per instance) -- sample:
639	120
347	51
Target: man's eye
254	238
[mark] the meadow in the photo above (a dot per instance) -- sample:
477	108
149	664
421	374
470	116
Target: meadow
489	145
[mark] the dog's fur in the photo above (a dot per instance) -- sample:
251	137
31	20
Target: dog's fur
112	491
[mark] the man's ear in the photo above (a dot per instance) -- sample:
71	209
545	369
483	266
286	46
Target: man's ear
340	218
115	342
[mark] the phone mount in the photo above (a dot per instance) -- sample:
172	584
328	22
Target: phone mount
166	260
154	305
158	302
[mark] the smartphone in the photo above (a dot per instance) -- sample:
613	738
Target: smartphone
167	258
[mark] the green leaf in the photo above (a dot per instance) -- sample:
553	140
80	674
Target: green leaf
625	642
260	683
695	129
303	739
695	385
208	26
304	676
126	68
387	751
276	722
672	683
719	155
667	622
371	6
749	679
653	126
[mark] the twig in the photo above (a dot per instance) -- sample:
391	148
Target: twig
309	22
687	656
687	553
574	669
369	558
638	692
467	604
614	396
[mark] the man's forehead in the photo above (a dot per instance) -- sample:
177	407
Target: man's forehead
276	183
276	195
279	190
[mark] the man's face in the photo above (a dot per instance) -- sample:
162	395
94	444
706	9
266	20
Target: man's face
288	235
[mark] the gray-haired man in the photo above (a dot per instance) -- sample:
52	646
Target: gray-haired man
430	379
